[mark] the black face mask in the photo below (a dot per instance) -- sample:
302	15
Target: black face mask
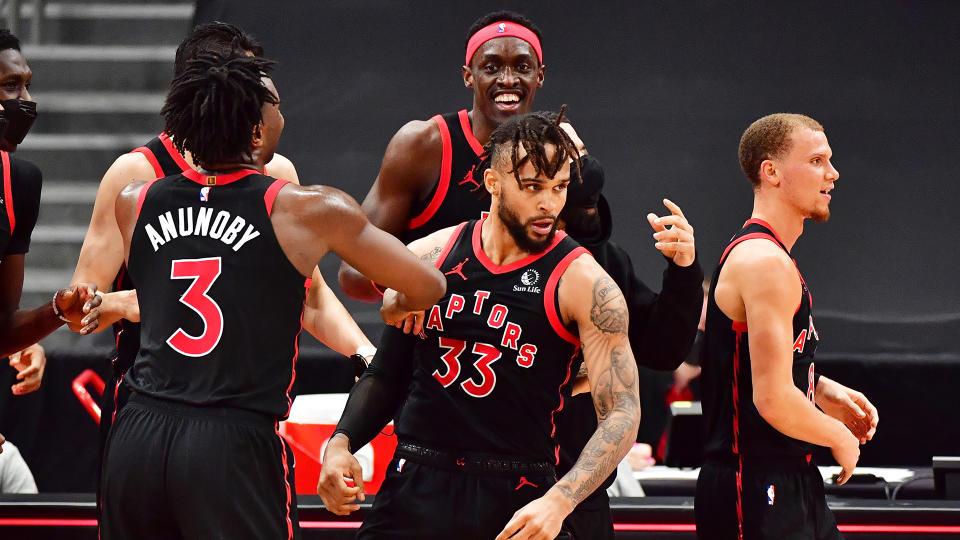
19	115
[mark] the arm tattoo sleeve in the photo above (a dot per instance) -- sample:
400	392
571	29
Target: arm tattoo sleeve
614	386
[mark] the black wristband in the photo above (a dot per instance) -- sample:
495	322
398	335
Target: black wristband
359	364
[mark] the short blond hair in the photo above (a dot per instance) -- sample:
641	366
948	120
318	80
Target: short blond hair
769	137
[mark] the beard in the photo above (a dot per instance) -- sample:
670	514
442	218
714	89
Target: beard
820	216
518	229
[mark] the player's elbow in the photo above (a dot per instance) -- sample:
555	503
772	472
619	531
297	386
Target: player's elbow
769	406
356	285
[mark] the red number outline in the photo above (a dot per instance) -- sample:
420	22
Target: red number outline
451	358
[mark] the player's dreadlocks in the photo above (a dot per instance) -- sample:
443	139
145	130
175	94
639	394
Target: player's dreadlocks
214	105
533	131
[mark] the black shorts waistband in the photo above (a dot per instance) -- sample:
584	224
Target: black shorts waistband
230	415
472	462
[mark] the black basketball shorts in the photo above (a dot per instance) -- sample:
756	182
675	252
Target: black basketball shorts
177	471
780	499
437	502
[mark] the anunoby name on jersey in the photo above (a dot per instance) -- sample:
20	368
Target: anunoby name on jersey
223	227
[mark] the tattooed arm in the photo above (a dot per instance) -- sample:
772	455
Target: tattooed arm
590	298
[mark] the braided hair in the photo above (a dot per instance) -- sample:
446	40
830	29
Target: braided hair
533	131
214	105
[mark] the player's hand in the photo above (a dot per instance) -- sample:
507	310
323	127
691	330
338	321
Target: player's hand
848	406
80	304
540	519
2	440
395	314
29	364
676	242
847	453
338	465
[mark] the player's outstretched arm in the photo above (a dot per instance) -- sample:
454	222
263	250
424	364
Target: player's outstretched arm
310	221
20	329
373	401
410	163
325	317
102	251
766	280
589	297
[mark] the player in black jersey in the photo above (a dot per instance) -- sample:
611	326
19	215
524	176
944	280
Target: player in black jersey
101	257
477	445
19	207
219	256
426	180
760	391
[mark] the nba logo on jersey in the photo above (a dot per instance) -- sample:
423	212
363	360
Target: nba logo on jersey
771	495
501	28
205	194
400	464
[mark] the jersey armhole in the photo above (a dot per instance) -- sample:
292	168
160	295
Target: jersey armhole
449	245
8	191
551	300
143	195
147	153
773	239
446	166
271	195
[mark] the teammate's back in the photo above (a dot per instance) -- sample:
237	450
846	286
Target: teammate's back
208	253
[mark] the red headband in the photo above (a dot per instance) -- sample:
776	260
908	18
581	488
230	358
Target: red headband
502	29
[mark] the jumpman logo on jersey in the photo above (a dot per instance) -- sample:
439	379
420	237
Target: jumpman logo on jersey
469	178
458	269
524	482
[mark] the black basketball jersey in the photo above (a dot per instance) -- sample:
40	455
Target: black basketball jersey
9	225
734	426
220	303
453	198
488	376
166	161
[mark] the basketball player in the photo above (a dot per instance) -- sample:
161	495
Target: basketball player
101	257
20	198
426	180
195	452
476	450
760	391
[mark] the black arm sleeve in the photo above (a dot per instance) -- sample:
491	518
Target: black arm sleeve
663	326
381	390
25	182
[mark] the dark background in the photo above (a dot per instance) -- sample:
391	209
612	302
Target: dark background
660	92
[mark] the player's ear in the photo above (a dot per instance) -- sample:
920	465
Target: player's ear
256	140
467	76
769	173
541	72
491	182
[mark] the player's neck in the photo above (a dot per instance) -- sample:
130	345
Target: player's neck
497	242
481	126
228	167
786	222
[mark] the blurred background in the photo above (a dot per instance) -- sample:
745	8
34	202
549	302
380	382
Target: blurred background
659	91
